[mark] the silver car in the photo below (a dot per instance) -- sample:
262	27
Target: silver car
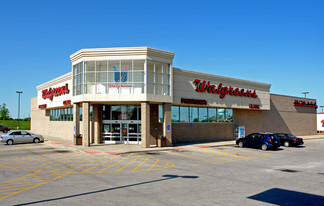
20	136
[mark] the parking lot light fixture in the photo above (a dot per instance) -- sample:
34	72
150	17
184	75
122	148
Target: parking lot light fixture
305	93
322	107
19	92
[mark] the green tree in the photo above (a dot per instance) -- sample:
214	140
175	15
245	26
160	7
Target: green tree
4	112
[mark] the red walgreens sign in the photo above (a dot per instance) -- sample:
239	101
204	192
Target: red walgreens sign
51	92
223	91
303	103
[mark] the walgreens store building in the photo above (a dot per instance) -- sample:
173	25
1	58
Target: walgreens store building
133	95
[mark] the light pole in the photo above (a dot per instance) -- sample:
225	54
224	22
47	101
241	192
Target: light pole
322	107
18	106
305	93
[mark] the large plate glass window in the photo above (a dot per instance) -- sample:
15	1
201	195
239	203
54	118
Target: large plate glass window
193	114
212	116
77	79
229	115
184	114
221	115
203	116
175	114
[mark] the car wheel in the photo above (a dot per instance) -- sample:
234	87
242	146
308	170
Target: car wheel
264	147
287	144
36	140
10	142
240	144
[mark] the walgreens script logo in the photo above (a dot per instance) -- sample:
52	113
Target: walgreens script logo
203	86
54	92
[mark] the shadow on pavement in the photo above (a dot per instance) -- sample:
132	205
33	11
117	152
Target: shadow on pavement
287	197
165	177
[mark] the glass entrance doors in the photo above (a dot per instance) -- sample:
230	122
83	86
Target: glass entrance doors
123	132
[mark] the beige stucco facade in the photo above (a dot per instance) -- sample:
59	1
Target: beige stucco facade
41	124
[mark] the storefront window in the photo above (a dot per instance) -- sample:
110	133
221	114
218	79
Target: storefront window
101	66
65	114
90	66
116	112
193	114
158	67
139	65
158	78
105	112
203	117
109	77
150	66
139	76
121	77
78	79
150	77
229	115
200	114
138	88
158	89
184	114
80	114
132	111
212	115
160	113
150	88
121	112
220	115
175	114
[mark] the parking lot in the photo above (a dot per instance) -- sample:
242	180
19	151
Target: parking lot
38	174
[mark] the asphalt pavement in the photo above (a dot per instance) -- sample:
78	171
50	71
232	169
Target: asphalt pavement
131	148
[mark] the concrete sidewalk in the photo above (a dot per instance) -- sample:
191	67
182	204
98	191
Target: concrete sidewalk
130	148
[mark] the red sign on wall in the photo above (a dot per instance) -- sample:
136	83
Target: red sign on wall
223	91
193	101
66	102
42	106
51	92
254	106
303	103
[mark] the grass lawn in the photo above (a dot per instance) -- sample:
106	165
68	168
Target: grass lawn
13	124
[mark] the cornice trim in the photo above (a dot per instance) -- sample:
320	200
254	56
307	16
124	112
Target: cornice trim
55	81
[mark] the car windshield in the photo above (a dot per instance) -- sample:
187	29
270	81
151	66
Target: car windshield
291	136
273	136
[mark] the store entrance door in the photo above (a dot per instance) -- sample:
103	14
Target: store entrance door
123	132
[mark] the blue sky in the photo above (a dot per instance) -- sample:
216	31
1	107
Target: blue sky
280	42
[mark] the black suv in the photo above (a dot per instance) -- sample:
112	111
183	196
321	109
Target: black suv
4	129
